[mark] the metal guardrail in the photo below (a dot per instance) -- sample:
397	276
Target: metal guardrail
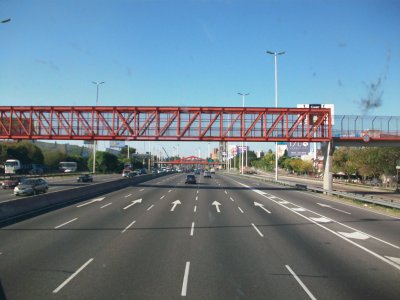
304	187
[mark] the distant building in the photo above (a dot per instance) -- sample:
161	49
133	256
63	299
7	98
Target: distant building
260	153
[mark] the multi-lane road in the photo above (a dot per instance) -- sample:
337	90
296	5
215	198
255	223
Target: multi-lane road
224	238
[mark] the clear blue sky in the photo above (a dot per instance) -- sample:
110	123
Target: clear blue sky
174	53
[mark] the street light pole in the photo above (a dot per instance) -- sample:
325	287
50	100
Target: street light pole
94	142
241	152
275	54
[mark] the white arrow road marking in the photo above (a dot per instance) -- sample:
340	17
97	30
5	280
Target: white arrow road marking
185	279
259	232
394	259
262	206
91	201
72	276
175	203
321	220
301	283
65	223
328	206
133	203
217	204
354	235
298	209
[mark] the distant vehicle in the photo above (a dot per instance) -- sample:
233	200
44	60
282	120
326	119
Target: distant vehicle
131	174
212	171
12	182
125	173
179	170
68	166
207	174
32	186
197	171
14	166
85	178
190	179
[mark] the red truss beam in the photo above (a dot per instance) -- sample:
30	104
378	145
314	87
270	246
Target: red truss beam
166	123
191	160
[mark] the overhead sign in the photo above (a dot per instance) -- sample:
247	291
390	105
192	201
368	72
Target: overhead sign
117	144
298	148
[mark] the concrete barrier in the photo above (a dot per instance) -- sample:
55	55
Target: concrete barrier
32	205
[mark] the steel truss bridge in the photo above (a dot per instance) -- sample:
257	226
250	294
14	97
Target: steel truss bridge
143	123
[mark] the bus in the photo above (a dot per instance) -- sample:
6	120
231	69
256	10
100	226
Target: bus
68	166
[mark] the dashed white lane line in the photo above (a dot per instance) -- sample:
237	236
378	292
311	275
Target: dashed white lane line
197	198
141	190
129	226
321	220
298	209
185	279
259	232
197	191
128	195
65	223
195	208
240	209
106	205
231	199
192	229
150	207
162	197
226	192
301	283
169	191
72	276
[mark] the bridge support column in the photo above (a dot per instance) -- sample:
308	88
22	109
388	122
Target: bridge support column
328	149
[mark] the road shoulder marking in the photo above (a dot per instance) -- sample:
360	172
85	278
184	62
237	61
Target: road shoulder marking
185	279
301	283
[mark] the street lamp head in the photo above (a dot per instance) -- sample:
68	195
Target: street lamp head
270	52
5	21
283	52
97	83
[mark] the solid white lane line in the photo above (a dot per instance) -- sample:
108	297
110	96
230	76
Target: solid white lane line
192	229
141	190
150	207
72	276
328	206
240	209
185	279
106	205
162	197
231	198
128	195
127	227
301	283
195	208
259	232
65	223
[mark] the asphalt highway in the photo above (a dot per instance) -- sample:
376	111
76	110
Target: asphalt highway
226	237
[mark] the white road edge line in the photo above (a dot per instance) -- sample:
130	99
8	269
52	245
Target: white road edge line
65	223
192	229
127	227
150	207
301	283
106	205
185	279
339	235
240	210
72	276
259	232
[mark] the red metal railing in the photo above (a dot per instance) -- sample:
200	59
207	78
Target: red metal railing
166	123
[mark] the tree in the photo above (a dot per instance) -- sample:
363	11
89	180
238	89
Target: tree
105	162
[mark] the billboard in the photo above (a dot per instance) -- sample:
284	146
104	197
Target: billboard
331	106
297	149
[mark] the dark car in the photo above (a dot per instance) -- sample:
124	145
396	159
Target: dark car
131	174
12	182
190	179
85	178
32	186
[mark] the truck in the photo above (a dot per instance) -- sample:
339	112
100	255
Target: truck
15	167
